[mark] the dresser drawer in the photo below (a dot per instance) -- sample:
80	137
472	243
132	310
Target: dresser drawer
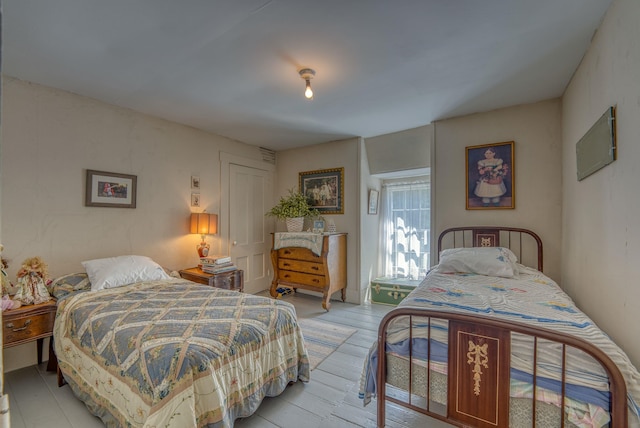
298	254
28	327
301	266
302	278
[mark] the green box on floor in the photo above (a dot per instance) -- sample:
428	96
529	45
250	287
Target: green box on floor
391	291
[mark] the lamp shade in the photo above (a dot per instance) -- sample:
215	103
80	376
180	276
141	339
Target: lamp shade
204	223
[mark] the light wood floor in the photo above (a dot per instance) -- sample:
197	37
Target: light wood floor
329	399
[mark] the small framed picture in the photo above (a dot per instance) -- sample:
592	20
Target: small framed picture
195	199
195	182
110	189
373	202
318	226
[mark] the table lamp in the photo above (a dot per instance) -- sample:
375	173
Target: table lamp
204	224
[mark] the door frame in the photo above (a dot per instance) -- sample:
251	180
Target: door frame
226	159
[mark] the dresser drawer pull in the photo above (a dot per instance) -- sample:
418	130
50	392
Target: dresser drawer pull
315	268
287	252
286	275
26	324
317	281
286	264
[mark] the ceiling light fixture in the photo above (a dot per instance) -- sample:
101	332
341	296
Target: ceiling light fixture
307	74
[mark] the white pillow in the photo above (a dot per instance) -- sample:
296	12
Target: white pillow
490	261
123	270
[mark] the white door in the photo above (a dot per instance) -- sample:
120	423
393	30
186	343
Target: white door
250	242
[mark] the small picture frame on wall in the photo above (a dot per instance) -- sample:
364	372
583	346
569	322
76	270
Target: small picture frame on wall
490	172
110	189
195	182
373	202
195	199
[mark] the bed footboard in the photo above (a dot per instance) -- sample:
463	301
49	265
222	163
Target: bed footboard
478	368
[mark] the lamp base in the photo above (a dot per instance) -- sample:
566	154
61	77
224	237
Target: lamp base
203	249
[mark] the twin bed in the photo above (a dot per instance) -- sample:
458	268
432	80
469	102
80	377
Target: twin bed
168	352
483	334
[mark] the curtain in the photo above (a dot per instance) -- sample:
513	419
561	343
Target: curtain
405	235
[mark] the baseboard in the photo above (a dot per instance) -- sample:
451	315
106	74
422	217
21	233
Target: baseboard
5	420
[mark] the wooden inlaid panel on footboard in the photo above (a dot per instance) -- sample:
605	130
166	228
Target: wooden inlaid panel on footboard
478	370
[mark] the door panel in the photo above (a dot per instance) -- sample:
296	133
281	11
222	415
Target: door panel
249	243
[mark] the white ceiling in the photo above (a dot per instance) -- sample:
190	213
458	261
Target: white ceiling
231	67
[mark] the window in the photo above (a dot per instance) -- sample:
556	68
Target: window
406	212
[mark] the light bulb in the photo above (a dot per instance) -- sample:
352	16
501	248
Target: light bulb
308	92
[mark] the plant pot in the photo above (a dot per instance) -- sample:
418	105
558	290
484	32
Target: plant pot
295	224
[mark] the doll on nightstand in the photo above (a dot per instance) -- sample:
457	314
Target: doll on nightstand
32	281
6	303
4	279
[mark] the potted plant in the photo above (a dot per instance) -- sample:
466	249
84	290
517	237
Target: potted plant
293	208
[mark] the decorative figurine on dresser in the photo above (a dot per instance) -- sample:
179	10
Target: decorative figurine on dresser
32	282
29	316
7	301
311	261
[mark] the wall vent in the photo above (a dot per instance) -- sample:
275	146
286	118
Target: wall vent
268	155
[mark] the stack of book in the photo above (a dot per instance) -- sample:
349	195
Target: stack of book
217	264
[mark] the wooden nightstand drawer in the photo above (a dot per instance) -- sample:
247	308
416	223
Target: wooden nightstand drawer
28	323
195	276
232	280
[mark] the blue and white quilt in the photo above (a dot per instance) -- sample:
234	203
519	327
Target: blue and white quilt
536	300
173	353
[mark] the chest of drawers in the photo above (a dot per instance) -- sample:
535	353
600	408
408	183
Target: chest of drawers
297	267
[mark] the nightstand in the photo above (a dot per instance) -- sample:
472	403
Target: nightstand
232	280
29	323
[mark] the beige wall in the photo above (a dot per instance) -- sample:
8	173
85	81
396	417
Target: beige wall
369	226
49	139
336	154
400	151
535	129
601	231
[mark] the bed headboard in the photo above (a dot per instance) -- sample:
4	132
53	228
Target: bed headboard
524	243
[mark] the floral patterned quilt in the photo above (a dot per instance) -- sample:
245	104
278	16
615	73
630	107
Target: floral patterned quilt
176	354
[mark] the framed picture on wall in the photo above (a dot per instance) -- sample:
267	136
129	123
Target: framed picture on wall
110	189
373	202
490	175
324	189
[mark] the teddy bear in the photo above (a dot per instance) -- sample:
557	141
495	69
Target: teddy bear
32	281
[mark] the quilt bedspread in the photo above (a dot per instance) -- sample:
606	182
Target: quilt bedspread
173	353
533	299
